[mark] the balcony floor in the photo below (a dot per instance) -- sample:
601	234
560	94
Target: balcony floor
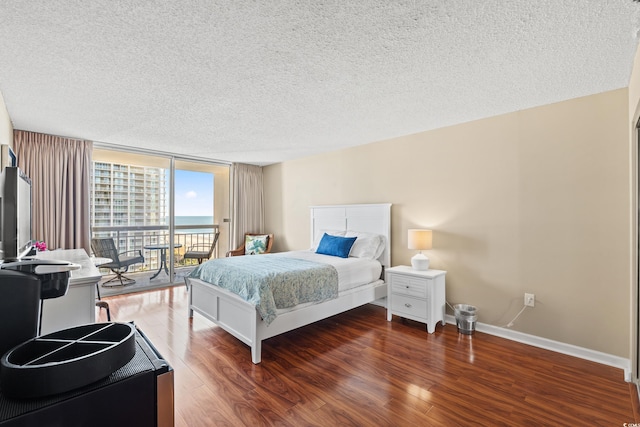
144	282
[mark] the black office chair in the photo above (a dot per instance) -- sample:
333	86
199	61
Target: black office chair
120	262
201	251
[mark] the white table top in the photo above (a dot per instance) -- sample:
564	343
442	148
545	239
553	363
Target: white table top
99	260
162	246
87	274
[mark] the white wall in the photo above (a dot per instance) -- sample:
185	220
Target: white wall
6	127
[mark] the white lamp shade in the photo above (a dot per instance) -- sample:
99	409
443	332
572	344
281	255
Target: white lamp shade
420	239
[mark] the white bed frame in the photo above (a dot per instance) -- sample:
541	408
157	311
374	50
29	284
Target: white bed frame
242	320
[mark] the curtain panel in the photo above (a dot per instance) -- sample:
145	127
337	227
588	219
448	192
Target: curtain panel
248	202
60	170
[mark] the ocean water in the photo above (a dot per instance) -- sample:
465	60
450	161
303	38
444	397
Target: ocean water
189	220
193	220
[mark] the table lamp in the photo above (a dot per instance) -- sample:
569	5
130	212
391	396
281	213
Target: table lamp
420	240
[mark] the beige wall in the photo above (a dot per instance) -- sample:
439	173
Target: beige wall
6	127
634	114
534	201
634	88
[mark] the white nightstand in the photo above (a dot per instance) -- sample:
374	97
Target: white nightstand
416	295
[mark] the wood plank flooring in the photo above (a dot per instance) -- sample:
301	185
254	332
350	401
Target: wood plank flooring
357	369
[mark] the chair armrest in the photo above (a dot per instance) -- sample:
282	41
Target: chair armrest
139	251
236	252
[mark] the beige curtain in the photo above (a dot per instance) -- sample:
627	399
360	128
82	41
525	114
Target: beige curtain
248	202
60	170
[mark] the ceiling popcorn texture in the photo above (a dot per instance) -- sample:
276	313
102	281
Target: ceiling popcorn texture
266	81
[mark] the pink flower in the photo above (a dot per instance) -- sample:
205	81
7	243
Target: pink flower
41	246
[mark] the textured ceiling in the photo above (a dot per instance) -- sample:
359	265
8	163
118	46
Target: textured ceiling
266	81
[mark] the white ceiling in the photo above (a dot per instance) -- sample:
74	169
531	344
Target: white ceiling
266	81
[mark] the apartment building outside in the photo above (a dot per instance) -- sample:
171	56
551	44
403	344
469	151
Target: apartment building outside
127	196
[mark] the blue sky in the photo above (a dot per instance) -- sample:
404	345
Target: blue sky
194	193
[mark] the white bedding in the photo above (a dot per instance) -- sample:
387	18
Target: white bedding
352	272
240	318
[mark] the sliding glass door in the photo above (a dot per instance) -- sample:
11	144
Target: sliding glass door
201	211
162	206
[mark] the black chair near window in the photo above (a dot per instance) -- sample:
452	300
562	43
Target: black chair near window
120	262
201	251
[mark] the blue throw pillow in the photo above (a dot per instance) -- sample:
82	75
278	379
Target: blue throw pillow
335	245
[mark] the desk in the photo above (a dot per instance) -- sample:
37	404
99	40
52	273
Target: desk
163	256
98	261
77	306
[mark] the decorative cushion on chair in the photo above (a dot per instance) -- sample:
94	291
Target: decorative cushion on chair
255	245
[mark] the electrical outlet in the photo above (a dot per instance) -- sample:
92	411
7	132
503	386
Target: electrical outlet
529	300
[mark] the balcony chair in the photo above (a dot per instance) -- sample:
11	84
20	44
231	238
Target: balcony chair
242	249
202	251
120	262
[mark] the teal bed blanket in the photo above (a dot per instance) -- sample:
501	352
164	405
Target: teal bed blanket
270	281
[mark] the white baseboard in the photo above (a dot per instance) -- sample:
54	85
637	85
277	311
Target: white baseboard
557	346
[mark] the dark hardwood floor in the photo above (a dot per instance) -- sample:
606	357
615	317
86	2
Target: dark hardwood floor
357	369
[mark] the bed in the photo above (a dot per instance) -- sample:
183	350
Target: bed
242	319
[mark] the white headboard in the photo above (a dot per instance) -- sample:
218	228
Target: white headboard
374	218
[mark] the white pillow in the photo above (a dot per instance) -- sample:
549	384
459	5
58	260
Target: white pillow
320	233
367	245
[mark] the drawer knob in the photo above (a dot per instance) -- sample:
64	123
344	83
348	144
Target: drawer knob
406	304
407	286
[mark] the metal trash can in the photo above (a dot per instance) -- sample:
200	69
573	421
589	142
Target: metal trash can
465	318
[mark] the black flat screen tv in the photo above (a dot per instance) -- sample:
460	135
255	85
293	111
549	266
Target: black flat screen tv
15	214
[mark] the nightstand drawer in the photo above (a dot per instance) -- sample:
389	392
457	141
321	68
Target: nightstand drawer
406	285
407	305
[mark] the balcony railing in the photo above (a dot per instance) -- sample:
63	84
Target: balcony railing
130	238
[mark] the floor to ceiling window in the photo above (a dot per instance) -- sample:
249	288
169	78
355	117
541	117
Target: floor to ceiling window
162	206
201	207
